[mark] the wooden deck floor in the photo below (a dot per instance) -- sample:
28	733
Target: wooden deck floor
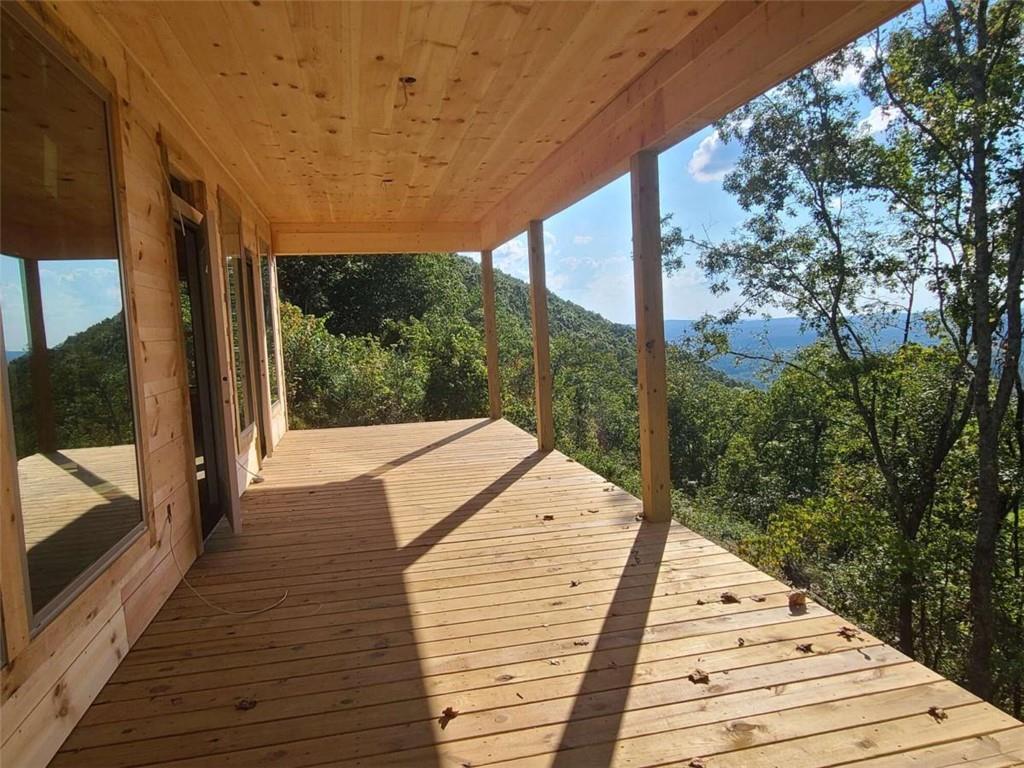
447	567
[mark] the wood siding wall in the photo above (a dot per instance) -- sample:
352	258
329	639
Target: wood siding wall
50	682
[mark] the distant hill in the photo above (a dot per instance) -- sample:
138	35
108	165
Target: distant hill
14	354
777	335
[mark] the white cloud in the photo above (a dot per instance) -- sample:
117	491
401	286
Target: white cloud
513	257
702	165
583	239
877	120
851	74
713	159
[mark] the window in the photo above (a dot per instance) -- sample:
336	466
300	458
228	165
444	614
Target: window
231	245
267	277
64	336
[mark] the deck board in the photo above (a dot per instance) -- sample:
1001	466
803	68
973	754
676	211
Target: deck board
449	564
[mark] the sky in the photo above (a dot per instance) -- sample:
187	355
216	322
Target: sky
76	295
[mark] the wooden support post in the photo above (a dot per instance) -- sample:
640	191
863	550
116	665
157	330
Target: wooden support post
39	365
650	337
490	333
17	602
541	340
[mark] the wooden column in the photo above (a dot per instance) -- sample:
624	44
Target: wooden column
39	365
17	601
650	337
490	333
541	340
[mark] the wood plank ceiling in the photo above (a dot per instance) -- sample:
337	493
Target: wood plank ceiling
414	112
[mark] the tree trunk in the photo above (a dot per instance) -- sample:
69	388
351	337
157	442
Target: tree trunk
905	609
990	515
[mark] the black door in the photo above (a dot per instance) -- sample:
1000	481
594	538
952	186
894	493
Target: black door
196	300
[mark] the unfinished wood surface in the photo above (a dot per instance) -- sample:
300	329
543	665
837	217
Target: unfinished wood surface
490	334
650	337
15	598
455	597
57	672
541	338
357	116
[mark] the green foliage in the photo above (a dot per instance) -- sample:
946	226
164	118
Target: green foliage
88	375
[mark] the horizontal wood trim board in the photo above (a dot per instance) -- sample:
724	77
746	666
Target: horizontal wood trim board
378	237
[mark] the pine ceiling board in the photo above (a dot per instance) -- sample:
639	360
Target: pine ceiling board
159	50
272	59
321	144
543	29
218	48
490	30
320	107
321	129
431	60
590	67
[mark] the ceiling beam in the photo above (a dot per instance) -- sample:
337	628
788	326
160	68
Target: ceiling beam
328	238
739	52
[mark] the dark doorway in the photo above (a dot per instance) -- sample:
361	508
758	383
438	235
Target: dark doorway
196	298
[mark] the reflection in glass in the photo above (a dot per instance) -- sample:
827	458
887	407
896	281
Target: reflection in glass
231	244
64	332
268	321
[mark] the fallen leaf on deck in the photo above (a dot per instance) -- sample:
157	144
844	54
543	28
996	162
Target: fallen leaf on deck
698	676
581	643
938	713
740	642
575	583
848	633
548	517
447	716
592	511
696	763
805	647
639	517
520	695
554	662
244	705
729	597
505	678
699	601
757	598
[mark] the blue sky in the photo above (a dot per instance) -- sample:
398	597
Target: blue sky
76	294
588	245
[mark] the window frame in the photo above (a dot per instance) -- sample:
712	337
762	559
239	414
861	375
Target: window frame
37	621
243	432
271	332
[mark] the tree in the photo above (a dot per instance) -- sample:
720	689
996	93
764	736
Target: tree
813	246
952	169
